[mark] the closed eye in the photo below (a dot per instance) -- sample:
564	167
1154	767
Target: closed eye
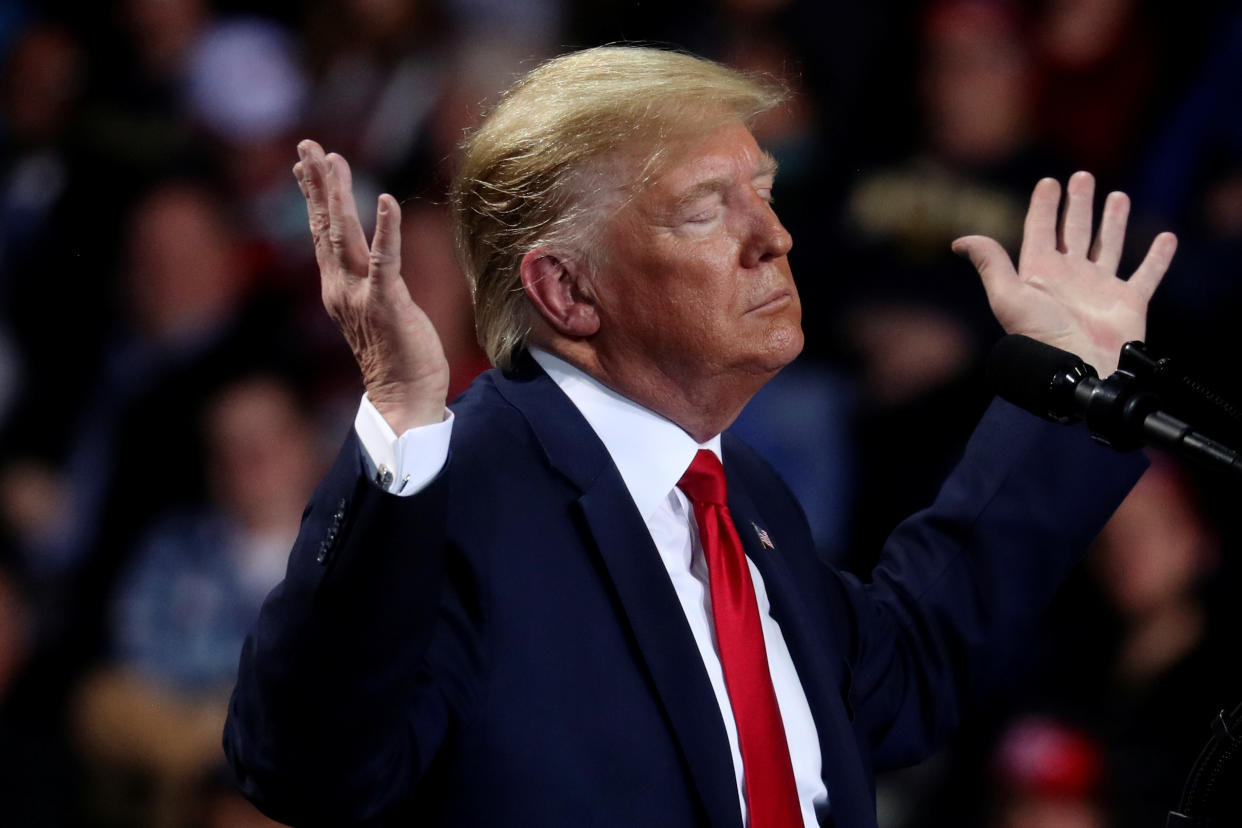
703	210
763	187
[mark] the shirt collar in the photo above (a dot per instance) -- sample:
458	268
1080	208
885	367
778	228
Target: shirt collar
650	451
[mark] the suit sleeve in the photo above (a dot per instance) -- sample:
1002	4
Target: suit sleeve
333	715
962	584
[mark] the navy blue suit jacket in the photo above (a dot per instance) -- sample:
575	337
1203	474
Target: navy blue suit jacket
506	648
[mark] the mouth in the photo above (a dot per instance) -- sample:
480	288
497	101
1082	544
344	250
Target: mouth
773	301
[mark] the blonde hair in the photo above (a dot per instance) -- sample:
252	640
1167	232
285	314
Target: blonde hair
525	180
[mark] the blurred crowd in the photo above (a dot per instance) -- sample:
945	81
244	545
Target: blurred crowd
170	388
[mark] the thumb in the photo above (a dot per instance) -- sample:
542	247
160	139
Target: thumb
990	260
385	263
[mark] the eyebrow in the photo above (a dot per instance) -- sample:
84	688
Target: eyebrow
767	166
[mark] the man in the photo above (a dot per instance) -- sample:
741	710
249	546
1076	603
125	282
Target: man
557	620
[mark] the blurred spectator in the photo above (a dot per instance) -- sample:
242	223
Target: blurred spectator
399	83
1098	65
972	174
246	91
74	515
42	81
481	69
379	68
42	212
135	120
1191	180
913	315
134	456
182	608
1136	662
243	82
1047	774
182	293
164	33
1172	667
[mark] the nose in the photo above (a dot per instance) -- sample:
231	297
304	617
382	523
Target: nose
767	239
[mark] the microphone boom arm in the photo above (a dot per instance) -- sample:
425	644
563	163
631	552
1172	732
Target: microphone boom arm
1122	411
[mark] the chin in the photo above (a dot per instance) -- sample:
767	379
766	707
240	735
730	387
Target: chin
788	340
782	347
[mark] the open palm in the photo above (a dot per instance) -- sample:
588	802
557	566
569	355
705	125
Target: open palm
403	366
1065	291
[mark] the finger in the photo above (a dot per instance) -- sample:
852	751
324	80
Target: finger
313	186
1106	252
299	173
1075	235
1039	231
349	245
992	262
385	262
1154	265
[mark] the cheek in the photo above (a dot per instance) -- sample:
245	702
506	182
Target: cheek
678	289
696	278
709	281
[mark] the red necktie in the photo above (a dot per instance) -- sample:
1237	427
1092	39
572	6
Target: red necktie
771	794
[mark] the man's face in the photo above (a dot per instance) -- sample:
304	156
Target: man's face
694	281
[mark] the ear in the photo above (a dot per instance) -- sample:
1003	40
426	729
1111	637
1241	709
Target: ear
552	284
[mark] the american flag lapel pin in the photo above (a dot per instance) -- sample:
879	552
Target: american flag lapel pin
764	539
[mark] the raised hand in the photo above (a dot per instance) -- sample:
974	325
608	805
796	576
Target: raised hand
398	350
1065	291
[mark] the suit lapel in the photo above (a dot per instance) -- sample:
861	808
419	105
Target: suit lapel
666	643
641	584
812	650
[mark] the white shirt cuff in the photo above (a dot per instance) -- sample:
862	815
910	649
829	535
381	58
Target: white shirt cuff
401	465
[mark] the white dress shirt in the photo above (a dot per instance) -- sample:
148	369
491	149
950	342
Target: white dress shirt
651	453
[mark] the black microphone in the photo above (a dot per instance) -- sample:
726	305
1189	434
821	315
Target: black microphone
1038	378
1119	411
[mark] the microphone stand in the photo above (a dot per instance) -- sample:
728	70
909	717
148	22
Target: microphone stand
1125	410
1183	392
1199	803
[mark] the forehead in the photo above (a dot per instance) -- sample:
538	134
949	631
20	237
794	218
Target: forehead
686	160
638	185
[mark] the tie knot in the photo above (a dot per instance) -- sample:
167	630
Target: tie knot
704	481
